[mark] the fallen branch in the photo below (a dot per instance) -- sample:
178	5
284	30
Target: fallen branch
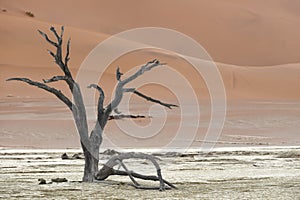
144	177
108	170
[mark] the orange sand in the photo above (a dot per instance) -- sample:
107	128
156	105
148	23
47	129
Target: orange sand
255	45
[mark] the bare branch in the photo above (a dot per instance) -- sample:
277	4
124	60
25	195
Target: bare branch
119	89
118	74
58	55
101	97
122	116
150	98
147	67
116	101
47	38
54	91
101	118
96	87
62	31
52	54
67	58
80	114
59	39
55	78
128	89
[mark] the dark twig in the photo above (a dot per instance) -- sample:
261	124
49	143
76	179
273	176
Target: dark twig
122	116
47	38
56	35
155	100
55	78
67	57
150	98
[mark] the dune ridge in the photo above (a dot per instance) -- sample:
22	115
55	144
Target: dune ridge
243	33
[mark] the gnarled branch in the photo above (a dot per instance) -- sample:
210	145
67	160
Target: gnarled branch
54	79
47	38
121	83
107	170
59	39
79	113
100	99
58	55
148	98
54	91
147	67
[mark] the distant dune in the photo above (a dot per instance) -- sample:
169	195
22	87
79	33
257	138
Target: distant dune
258	41
254	43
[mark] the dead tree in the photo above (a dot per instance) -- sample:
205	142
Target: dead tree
90	143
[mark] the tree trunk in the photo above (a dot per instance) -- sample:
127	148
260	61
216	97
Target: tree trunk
91	154
91	163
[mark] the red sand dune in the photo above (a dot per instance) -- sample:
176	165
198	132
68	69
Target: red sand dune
242	34
254	43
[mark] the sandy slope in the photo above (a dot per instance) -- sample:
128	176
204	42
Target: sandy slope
248	33
244	33
254	43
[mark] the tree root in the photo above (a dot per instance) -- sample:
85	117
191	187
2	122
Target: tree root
108	170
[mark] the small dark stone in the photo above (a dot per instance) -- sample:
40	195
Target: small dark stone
41	181
65	156
30	14
59	180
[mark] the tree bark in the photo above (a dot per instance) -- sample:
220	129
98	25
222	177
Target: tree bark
90	163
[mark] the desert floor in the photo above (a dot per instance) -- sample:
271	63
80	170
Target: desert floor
225	173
